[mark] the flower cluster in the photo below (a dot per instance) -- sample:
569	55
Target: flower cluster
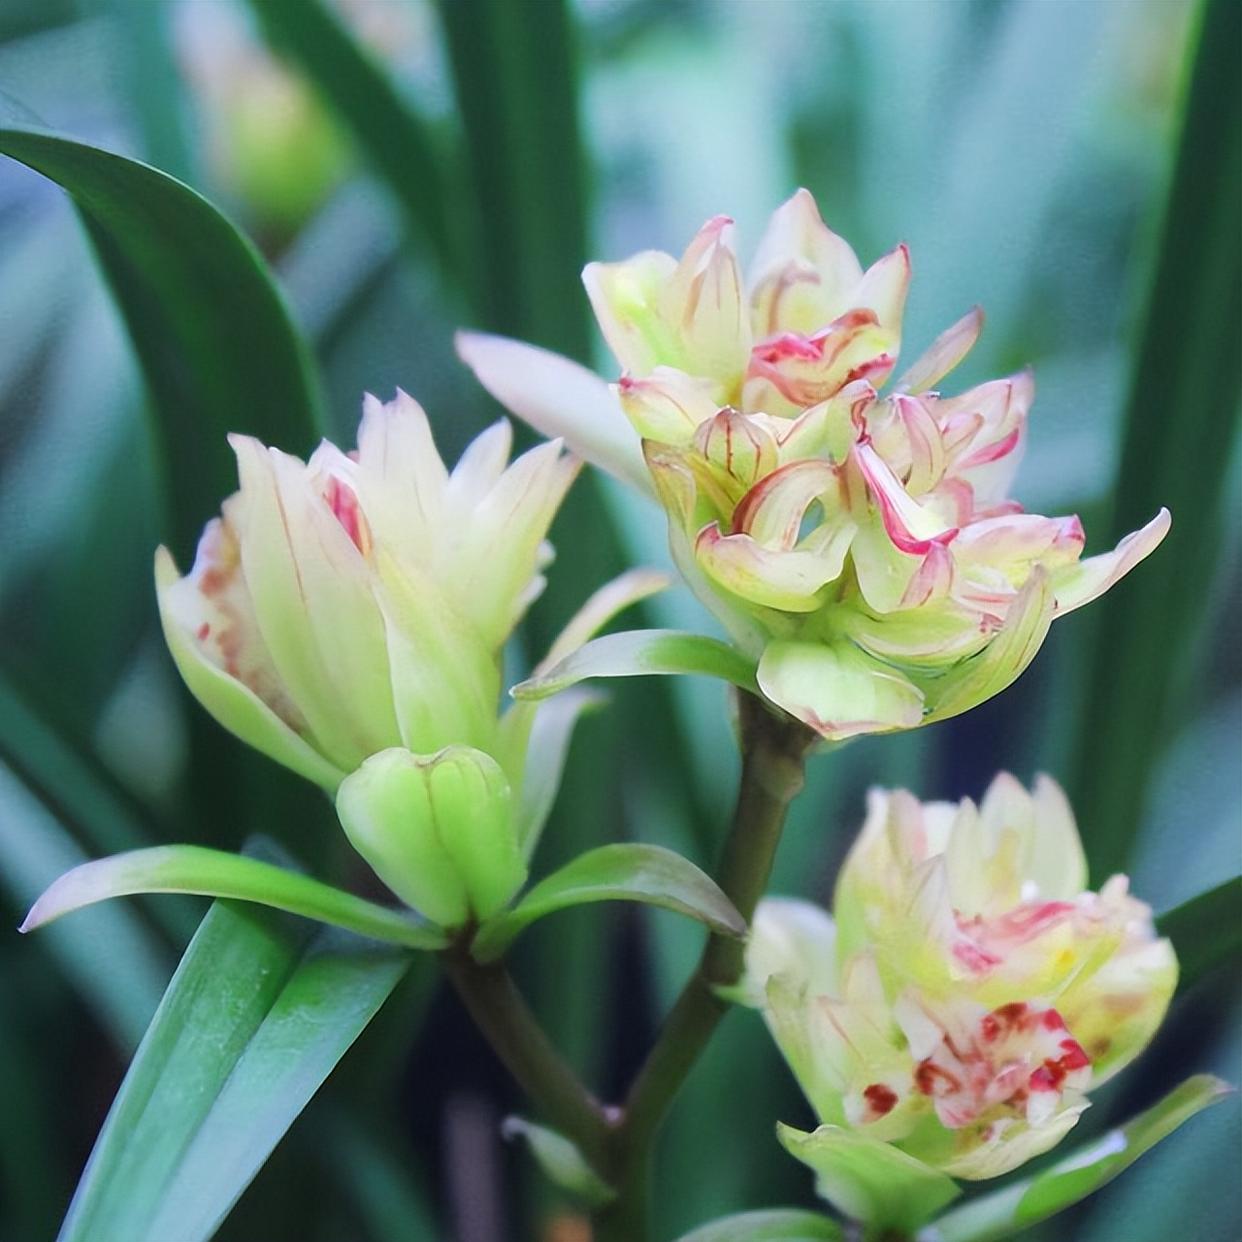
969	991
863	549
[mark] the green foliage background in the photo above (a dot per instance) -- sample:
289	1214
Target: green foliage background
407	168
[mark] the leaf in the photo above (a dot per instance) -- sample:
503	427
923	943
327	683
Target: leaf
210	328
1180	422
1025	1203
770	1225
386	127
1206	931
634	653
215	873
562	1162
868	1180
624	872
256	1016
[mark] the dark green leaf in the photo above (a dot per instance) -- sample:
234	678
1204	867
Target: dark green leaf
1006	1212
623	872
1182	415
215	873
256	1016
1206	931
210	328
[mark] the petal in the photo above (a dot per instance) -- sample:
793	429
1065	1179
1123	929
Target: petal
1080	584
400	478
794	939
802	271
314	606
230	701
668	405
1002	661
558	398
837	690
739	445
626	299
1056	863
883	290
773	510
1013	1145
704	301
790	580
502	537
934	635
477	471
912	527
944	353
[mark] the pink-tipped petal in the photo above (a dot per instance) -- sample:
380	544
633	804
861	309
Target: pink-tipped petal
1080	584
790	581
944	353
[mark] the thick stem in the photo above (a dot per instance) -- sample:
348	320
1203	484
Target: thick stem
516	1037
773	754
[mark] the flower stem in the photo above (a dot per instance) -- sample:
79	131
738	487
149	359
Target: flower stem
774	750
516	1037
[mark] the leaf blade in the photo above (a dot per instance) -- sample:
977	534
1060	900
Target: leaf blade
216	873
636	653
627	871
1206	931
243	991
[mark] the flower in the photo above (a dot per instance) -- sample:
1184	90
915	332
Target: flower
968	993
346	617
862	549
359	602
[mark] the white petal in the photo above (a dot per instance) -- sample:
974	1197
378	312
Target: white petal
558	398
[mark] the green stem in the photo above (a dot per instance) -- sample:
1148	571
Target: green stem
774	749
515	1035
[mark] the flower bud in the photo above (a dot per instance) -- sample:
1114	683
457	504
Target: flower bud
438	830
354	603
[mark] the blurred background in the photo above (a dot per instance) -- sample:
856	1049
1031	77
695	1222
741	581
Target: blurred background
407	168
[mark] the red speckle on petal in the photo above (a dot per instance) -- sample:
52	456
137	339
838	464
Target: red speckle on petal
1054	1022
343	501
933	1079
881	1099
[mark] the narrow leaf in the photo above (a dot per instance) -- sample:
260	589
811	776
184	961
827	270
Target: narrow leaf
638	652
210	328
256	1016
772	1225
625	872
1184	394
215	873
1206	931
1006	1212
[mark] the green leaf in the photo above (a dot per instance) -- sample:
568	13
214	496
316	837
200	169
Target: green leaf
387	129
622	872
1005	1212
634	653
256	1016
562	1162
1206	931
210	328
1180	423
868	1180
770	1225
215	873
